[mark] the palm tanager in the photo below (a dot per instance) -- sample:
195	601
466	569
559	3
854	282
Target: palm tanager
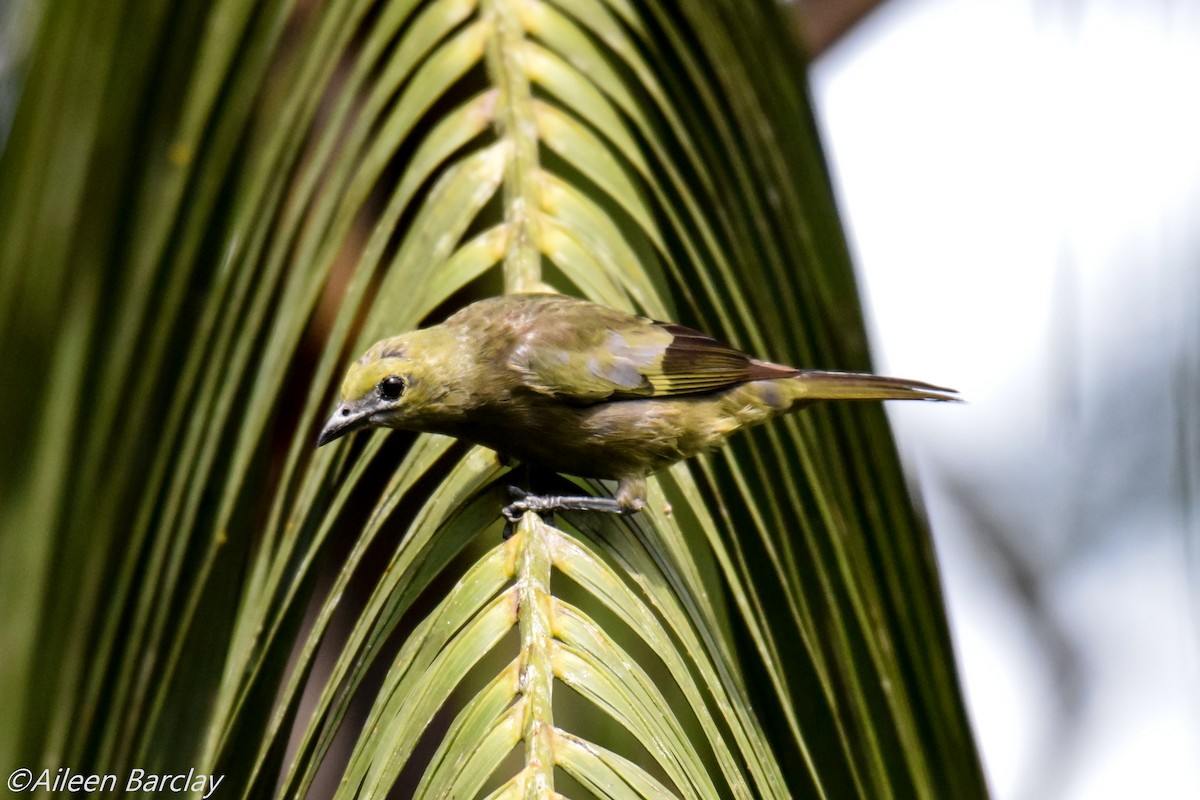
579	388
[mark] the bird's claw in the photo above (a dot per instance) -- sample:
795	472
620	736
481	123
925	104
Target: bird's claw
523	501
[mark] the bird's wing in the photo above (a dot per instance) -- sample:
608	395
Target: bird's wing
618	356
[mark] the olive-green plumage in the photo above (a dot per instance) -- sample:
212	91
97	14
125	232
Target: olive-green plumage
582	389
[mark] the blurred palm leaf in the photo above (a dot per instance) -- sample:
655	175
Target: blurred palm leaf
207	208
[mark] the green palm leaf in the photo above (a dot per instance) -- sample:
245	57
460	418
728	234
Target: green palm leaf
206	209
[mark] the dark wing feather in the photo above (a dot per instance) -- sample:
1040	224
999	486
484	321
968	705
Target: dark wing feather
696	362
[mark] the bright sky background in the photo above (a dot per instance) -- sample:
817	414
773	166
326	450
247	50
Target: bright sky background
1021	181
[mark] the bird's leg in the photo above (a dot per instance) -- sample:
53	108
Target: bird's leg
525	501
630	498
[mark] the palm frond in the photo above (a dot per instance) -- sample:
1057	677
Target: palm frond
206	209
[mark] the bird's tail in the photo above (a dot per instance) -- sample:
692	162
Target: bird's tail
813	385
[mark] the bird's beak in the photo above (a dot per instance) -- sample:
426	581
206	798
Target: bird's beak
345	419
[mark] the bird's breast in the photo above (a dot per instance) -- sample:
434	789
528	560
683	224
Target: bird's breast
618	438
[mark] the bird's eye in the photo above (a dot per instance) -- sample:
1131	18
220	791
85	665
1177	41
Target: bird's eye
391	387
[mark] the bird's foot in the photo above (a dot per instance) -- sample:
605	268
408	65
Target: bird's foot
546	505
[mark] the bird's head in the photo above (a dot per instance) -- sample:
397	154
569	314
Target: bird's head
388	387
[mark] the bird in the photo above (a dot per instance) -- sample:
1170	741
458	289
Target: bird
564	384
